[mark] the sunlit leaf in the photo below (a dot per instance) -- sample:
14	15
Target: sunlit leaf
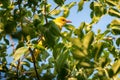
55	12
114	12
66	12
88	39
76	42
71	4
115	26
79	31
86	64
116	66
98	49
70	27
19	53
111	3
36	16
78	54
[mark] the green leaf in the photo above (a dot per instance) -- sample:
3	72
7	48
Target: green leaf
111	3
79	31
118	41
55	12
59	2
76	42
10	27
5	3
78	54
116	66
61	60
98	9
92	5
70	27
44	55
29	14
114	12
66	12
25	63
80	5
71	5
1	27
19	53
57	50
98	50
115	26
86	64
88	39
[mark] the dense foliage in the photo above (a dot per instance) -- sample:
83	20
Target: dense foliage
33	48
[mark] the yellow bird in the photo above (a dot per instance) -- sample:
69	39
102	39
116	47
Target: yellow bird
61	21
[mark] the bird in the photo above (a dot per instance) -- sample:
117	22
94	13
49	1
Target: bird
61	21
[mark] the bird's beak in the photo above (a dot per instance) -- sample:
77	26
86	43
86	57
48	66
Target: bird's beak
68	21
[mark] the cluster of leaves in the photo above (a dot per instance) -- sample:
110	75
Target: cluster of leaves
43	52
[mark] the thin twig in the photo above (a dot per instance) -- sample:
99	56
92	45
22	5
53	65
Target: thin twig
12	44
53	10
33	58
18	68
45	13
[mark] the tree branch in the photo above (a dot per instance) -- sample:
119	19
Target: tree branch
33	58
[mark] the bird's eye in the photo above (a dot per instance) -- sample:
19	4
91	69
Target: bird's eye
63	19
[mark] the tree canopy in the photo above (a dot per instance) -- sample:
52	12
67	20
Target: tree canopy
33	48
